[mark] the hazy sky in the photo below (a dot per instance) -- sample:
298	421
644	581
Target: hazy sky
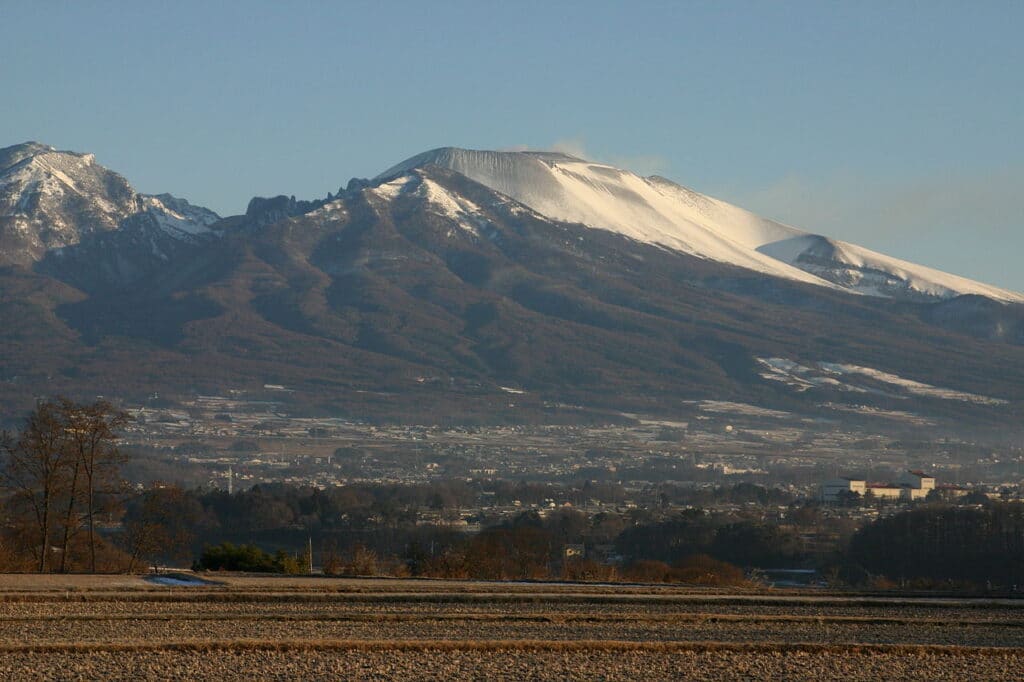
896	125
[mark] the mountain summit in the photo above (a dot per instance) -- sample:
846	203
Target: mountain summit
51	199
657	211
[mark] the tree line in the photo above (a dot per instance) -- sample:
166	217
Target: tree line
65	507
367	529
972	545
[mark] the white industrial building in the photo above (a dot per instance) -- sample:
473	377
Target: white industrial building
831	490
910	486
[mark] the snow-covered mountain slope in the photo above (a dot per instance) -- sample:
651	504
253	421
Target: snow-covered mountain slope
657	211
51	199
869	272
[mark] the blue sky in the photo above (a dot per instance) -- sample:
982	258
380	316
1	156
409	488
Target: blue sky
896	125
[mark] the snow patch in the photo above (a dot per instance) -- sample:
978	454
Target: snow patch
333	209
65	179
726	407
467	214
913	387
391	190
170	221
802	377
868	411
178	580
869	272
458	208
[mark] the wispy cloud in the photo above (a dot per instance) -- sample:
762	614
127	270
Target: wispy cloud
870	206
642	164
573	146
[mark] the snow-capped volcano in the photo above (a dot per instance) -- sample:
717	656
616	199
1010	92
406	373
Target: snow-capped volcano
657	211
456	275
51	199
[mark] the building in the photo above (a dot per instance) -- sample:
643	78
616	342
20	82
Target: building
917	480
885	491
909	487
573	551
832	490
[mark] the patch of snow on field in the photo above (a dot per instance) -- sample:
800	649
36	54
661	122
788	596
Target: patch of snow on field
723	406
910	386
177	580
897	415
803	377
665	423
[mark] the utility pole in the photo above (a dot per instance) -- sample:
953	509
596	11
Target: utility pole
310	550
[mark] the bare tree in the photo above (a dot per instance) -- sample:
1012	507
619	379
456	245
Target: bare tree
157	525
35	469
72	521
92	433
63	459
